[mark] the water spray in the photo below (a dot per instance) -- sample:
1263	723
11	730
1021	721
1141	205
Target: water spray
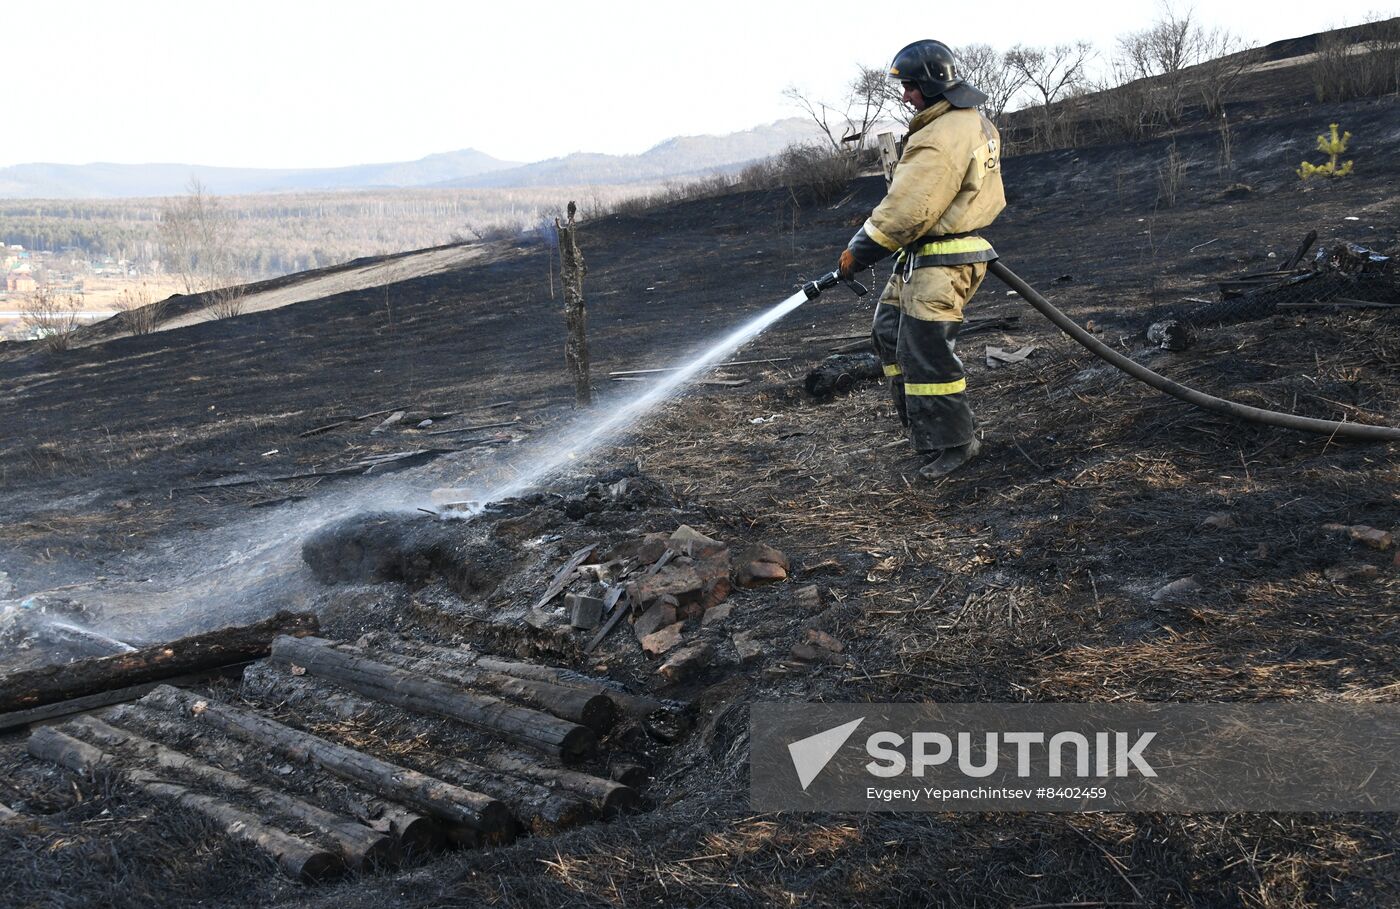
260	566
576	442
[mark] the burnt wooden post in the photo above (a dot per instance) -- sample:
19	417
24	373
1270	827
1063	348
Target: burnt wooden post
889	155
572	270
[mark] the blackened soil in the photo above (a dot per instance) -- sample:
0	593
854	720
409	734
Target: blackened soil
1027	577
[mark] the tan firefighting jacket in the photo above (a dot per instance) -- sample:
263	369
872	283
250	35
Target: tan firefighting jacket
948	181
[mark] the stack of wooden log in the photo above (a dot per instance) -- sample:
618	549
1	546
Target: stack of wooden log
340	756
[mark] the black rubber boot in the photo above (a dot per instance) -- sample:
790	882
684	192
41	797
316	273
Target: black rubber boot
950	460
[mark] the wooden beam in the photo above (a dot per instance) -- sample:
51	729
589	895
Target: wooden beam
236	644
572	270
73	706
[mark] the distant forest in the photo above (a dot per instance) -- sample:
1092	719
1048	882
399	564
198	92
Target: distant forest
284	233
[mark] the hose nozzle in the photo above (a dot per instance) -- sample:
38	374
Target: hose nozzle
813	289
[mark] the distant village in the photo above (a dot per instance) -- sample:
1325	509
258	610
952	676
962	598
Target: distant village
65	274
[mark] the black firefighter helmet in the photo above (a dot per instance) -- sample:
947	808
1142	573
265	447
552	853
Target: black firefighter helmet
930	65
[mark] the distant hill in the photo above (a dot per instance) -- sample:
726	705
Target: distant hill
682	156
95	181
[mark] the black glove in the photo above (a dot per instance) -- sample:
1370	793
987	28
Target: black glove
861	253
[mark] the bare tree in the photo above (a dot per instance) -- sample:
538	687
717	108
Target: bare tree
193	231
1226	57
1053	73
846	124
1121	101
138	312
1348	65
227	300
49	317
986	68
197	236
1163	51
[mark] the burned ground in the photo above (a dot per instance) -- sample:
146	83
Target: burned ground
1031	576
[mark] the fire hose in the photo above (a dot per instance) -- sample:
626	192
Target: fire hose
1332	428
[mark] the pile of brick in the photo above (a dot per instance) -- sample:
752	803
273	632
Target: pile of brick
674	589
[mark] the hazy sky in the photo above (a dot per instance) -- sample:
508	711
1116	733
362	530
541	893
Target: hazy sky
307	83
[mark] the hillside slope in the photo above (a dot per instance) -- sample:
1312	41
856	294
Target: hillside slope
1028	577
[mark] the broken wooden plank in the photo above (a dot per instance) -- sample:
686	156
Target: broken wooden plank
1339	303
327	428
388	421
646	372
298	858
565	574
235	644
241	480
614	614
1302	251
477	428
401	459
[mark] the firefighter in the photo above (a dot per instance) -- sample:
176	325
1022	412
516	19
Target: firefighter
946	187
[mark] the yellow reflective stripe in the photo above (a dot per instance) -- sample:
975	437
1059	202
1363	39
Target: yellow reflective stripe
935	388
892	369
951	247
879	236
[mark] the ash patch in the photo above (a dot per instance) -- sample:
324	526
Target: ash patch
413	549
90	841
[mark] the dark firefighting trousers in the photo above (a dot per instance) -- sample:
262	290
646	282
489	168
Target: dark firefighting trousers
915	333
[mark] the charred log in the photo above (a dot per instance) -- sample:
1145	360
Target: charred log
592	709
361	847
635	706
468	815
49	684
412	831
542	811
521	725
607	795
298	858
